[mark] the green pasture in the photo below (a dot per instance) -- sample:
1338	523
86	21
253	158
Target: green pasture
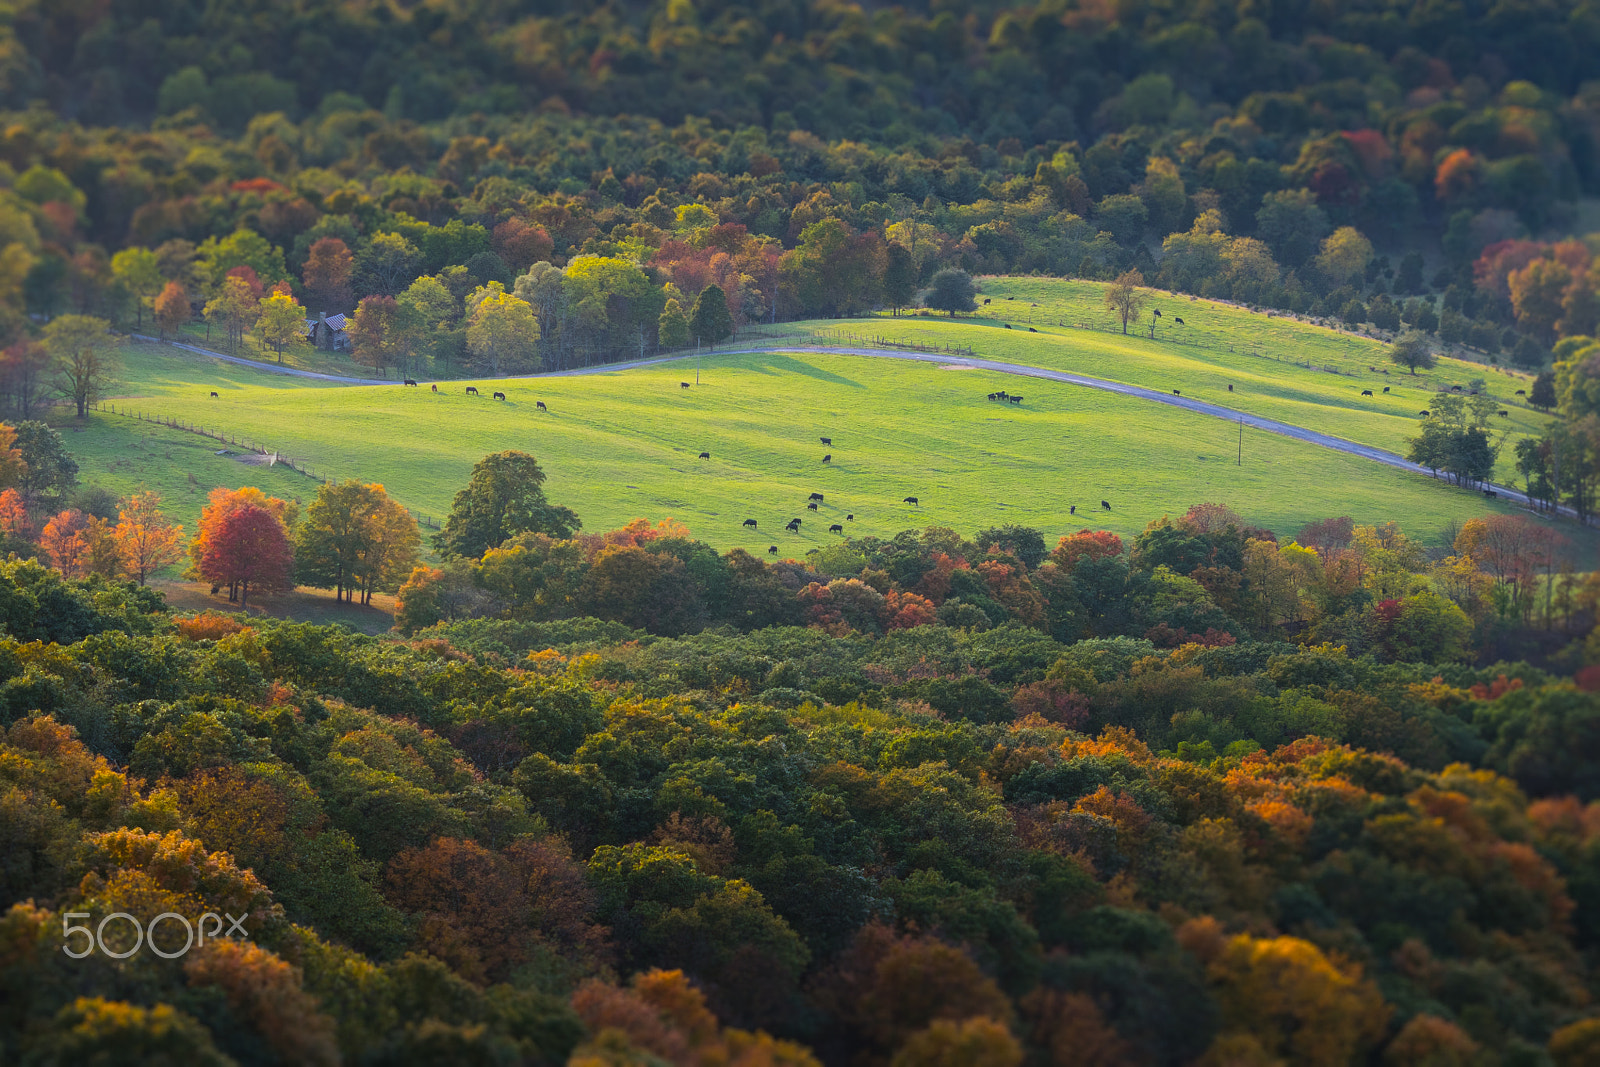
624	444
1218	345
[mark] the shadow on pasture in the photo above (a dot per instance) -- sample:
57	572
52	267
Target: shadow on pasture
778	363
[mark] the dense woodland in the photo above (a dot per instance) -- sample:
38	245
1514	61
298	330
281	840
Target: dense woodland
613	798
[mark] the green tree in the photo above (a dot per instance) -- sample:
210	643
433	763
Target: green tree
375	334
504	497
672	328
710	322
85	355
386	264
502	331
1411	350
51	471
899	277
1543	393
139	271
1292	225
952	290
333	537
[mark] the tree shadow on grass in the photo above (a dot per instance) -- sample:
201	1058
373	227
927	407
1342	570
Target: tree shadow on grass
779	363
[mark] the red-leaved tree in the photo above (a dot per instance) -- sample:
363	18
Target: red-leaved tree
249	547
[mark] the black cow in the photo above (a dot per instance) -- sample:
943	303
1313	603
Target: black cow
1176	393
1366	392
1032	330
1522	392
1177	320
986	300
751	522
683	385
411	381
499	395
772	550
912	499
1423	413
993	396
815	496
849	518
1156	312
1007	325
472	390
811	506
1073	510
826	440
1010	298
1386	388
792	525
1503	414
828	458
216	589
540	405
215	397
1106	504
705	455
1230	388
1015	399
435	388
836	528
1490	493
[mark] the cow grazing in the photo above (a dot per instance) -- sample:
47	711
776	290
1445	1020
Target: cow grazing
909	500
828	458
435	388
411	381
849	518
1230	388
1032	330
1073	510
683	385
1176	393
751	522
1007	325
1366	392
986	301
826	440
1423	413
1503	414
1177	320
1156	312
1520	392
792	525
1010	298
705	455
1490	493
815	496
772	550
1386	388
811	506
836	528
540	405
1015	399
472	390
499	395
994	396
1106	504
215	397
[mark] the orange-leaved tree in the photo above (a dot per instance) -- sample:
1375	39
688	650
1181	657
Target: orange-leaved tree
14	521
12	465
79	545
145	539
172	309
220	504
248	547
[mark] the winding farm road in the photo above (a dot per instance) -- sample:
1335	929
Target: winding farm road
1200	407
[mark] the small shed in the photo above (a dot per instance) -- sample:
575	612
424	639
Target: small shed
328	332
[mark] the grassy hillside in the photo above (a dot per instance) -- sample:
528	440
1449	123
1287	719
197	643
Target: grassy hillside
1280	368
624	444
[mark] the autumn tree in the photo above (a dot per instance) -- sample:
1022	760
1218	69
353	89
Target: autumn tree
352	536
504	497
375	334
146	540
172	309
502	330
85	356
24	376
221	503
248	547
281	321
393	543
1125	297
709	321
327	275
65	541
234	308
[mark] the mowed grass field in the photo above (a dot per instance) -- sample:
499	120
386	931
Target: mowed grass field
623	444
1218	345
